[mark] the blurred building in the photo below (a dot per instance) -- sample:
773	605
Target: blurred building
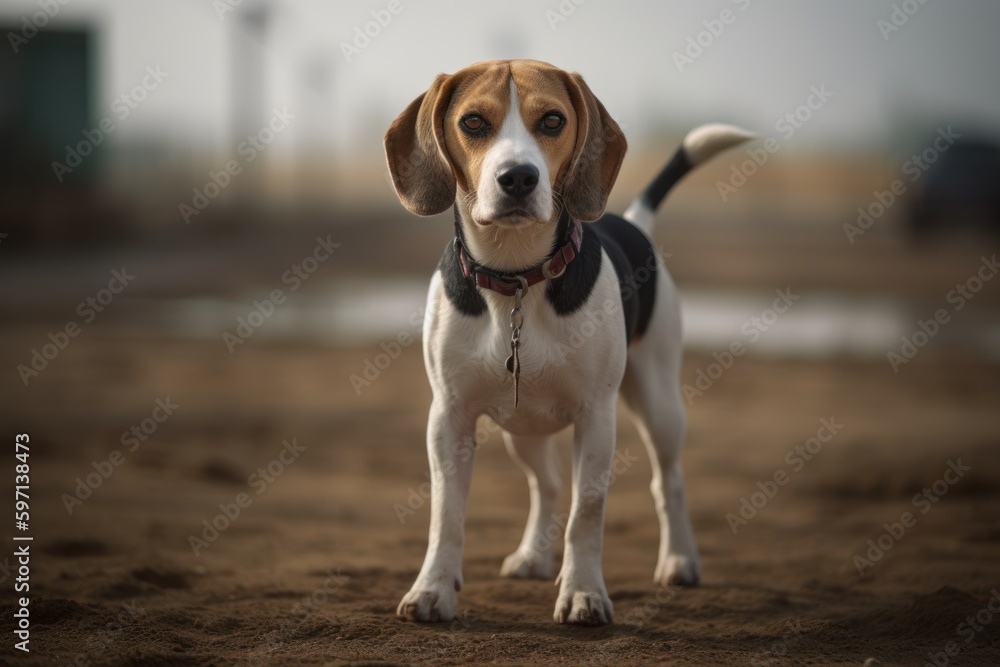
95	139
163	96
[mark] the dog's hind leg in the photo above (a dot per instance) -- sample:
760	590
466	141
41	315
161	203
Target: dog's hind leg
660	419
652	392
538	458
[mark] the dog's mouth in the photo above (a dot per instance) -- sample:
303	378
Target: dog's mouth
514	217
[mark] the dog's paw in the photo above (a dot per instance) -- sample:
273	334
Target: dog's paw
428	606
584	608
678	571
519	565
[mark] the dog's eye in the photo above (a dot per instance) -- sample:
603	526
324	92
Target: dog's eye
474	123
552	123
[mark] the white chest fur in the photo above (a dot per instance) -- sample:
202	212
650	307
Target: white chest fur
567	361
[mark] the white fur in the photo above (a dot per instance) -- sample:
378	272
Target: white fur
572	368
560	385
513	145
702	143
640	215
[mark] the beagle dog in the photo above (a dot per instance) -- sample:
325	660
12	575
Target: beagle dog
540	320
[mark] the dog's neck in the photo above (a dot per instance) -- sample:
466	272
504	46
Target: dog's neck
509	250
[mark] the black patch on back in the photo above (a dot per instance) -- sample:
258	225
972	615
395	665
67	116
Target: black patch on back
461	291
634	259
631	253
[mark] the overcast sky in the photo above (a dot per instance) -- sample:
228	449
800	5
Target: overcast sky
940	66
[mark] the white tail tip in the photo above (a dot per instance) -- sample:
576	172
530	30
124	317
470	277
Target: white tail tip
703	143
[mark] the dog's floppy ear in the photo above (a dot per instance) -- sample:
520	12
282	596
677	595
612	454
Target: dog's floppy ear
414	147
600	149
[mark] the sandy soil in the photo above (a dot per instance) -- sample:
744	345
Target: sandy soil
312	569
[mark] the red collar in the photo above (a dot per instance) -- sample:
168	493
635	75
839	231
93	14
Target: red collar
507	284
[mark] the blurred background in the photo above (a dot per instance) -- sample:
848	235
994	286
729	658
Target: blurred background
195	206
119	121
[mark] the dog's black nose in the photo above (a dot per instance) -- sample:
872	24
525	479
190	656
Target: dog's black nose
518	181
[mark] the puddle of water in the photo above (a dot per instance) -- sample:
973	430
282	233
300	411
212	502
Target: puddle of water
352	313
818	325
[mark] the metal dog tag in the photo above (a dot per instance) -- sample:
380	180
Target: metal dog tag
513	361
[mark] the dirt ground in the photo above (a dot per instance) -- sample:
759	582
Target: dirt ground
311	571
327	542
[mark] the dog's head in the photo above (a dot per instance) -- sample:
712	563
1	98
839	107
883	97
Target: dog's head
511	139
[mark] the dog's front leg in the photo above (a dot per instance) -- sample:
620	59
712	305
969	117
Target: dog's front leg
583	598
450	451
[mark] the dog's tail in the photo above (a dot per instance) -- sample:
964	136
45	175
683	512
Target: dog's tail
700	145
